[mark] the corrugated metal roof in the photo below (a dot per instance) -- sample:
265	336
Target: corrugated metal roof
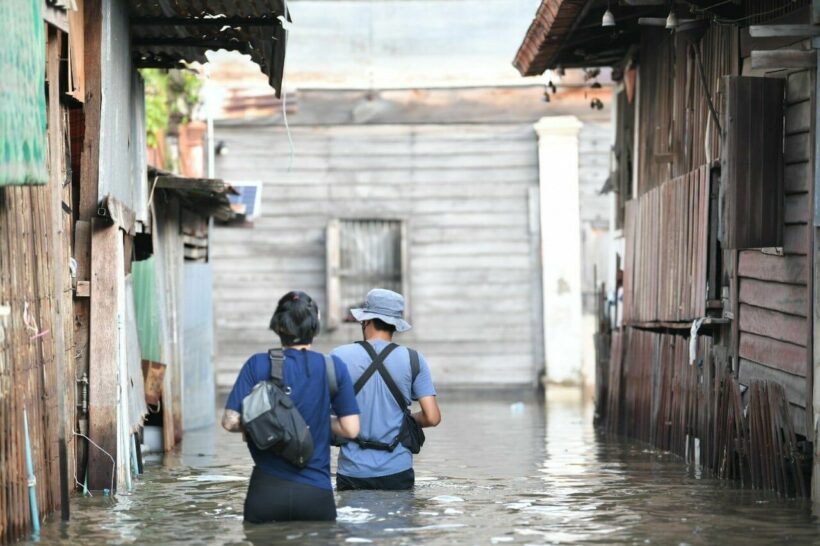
165	33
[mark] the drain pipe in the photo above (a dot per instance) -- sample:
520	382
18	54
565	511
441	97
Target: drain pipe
32	481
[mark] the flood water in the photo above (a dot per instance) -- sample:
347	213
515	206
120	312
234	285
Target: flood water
492	473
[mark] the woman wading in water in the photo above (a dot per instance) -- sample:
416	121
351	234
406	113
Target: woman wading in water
279	490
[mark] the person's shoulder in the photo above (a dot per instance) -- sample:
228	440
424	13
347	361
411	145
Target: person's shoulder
421	355
257	358
343	351
346	347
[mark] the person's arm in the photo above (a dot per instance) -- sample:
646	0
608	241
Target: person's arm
231	421
425	393
346	427
346	421
430	415
232	418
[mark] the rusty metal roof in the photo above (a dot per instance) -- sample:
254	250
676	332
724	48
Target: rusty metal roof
568	33
168	33
553	22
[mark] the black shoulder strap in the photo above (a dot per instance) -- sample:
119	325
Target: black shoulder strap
369	348
377	359
394	390
277	364
415	367
330	370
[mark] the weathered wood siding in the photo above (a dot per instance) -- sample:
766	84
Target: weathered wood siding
464	191
774	291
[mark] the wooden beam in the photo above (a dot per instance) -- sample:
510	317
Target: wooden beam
58	255
102	389
83	289
119	214
190	42
55	17
783	59
205	21
784	31
90	170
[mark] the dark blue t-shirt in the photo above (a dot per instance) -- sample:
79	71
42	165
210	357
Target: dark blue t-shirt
305	373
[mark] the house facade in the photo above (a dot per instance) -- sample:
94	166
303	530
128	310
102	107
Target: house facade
707	344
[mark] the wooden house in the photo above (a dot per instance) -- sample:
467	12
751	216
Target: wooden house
713	341
430	192
78	212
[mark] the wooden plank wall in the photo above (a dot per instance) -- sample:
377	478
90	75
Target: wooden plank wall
675	129
666	241
774	291
30	237
464	190
696	410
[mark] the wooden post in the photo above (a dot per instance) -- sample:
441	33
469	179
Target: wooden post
88	200
90	170
813	408
56	139
106	264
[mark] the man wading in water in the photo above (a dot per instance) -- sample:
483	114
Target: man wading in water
379	458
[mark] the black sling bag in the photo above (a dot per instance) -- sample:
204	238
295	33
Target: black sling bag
410	435
271	419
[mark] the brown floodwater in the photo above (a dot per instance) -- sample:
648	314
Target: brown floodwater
494	472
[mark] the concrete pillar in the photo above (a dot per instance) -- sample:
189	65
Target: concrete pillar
560	247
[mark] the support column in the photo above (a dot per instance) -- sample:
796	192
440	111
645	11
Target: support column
560	247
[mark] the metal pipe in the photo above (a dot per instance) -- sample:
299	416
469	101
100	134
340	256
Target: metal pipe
32	480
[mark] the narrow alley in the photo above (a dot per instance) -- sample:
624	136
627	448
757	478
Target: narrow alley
409	272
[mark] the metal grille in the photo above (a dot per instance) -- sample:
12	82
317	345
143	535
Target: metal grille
370	258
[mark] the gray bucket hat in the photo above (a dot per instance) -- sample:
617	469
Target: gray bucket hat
385	305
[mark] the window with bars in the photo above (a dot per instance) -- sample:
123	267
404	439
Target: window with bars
362	255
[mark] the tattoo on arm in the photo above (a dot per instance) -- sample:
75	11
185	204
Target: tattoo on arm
231	421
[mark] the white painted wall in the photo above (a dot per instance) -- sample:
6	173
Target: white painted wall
560	247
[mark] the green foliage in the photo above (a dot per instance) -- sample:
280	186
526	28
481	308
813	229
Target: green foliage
168	93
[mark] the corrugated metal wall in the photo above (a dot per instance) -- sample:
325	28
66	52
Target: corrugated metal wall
122	134
464	192
198	392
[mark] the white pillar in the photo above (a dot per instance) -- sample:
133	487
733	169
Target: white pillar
560	246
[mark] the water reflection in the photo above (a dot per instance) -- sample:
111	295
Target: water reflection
492	473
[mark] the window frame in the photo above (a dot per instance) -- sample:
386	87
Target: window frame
333	279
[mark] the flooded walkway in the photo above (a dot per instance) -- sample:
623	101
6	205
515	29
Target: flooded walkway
492	473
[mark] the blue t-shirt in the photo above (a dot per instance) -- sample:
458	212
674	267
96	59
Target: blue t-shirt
305	373
381	417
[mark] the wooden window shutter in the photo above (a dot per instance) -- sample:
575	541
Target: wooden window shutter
333	264
752	163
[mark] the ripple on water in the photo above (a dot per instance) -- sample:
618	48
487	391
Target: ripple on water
351	514
446	499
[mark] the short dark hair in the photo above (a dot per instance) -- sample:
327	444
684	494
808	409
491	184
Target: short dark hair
382	326
296	319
